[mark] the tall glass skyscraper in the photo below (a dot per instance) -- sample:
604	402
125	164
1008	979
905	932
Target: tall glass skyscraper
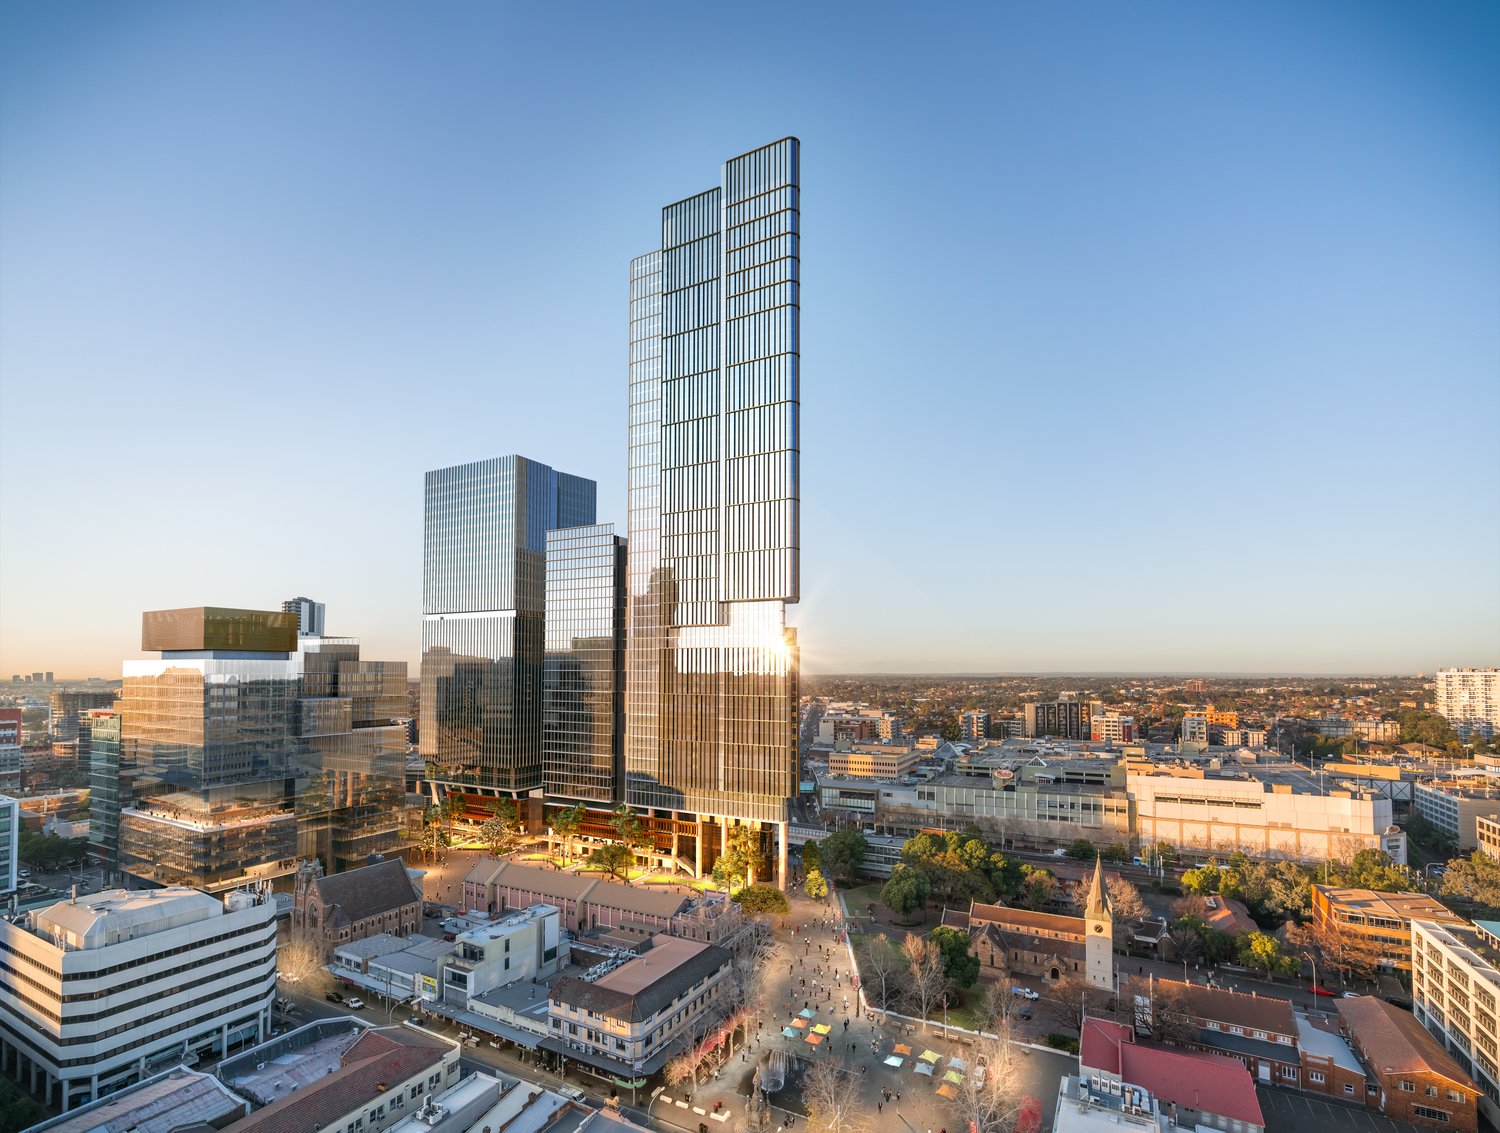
712	667
483	599
583	723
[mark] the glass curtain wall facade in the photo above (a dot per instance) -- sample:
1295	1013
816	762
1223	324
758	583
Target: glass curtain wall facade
582	710
483	602
107	782
213	742
352	753
712	667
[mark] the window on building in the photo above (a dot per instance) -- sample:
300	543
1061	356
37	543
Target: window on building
1430	1114
1432	1091
1405	1086
1315	1076
1348	1089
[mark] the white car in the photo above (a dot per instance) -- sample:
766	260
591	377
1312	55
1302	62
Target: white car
354	1003
1024	991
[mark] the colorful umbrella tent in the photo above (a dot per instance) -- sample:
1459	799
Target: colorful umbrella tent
955	1077
956	1063
902	1049
922	1067
947	1091
895	1060
931	1056
808	1012
790	1032
799	1023
822	1028
814	1039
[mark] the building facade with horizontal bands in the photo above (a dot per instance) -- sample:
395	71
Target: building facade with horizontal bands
102	990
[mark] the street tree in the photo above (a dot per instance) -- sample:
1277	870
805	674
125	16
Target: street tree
498	835
960	965
815	885
1264	953
991	1102
627	826
881	967
566	824
614	858
1125	903
1159	1009
925	975
300	964
1475	880
810	858
762	900
1074	999
906	892
841	855
1038	888
831	1094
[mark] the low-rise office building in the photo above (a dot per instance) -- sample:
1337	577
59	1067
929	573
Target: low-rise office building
105	989
1454	806
1381	919
523	945
1487	834
873	761
631	1018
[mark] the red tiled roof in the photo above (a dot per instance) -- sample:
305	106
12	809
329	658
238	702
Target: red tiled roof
1209	1083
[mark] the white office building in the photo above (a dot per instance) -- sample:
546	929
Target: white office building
1455	991
1469	699
103	990
10	843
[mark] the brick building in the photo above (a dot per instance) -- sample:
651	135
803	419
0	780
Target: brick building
355	904
1418	1080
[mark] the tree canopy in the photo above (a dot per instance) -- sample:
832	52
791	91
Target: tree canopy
762	900
960	965
840	856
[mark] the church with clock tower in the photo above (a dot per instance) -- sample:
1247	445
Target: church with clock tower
1018	942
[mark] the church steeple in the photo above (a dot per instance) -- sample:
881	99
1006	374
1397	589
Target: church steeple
1099	933
1097	907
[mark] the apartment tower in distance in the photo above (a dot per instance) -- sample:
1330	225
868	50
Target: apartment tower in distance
483	599
711	665
1469	699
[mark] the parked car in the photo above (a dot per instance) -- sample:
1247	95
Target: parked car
334	997
1025	991
1350	994
1319	989
450	937
354	1003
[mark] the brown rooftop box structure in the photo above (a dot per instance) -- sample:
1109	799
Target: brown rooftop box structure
219	627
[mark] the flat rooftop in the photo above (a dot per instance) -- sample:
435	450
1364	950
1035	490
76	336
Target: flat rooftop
100	919
667	954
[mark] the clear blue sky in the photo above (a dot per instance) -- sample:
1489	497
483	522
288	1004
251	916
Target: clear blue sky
1136	337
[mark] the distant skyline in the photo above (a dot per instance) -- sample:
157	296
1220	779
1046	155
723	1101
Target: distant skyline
1141	340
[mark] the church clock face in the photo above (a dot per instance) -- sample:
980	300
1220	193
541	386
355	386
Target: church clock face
1098	928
